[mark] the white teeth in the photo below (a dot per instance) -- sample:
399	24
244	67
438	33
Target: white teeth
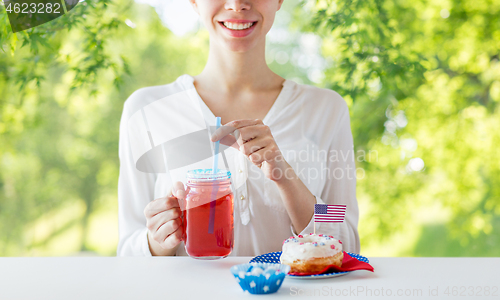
237	26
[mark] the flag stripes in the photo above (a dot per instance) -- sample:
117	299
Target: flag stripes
329	213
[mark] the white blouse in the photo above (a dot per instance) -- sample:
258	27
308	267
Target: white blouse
311	127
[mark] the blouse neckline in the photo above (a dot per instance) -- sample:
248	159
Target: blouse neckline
278	105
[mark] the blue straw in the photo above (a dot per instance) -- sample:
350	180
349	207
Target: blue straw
214	189
216	148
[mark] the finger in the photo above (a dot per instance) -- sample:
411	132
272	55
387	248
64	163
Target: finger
173	239
166	229
178	190
159	205
230	127
268	153
159	219
230	141
255	145
251	132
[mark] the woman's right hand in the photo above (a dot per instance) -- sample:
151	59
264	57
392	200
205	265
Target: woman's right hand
164	222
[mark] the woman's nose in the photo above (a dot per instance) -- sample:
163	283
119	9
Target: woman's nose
237	5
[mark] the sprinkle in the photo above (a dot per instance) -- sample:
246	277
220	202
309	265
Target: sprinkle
315	245
330	236
310	234
286	241
321	244
320	235
300	236
301	244
327	238
332	246
340	241
290	238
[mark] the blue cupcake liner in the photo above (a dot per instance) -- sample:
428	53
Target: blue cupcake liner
265	283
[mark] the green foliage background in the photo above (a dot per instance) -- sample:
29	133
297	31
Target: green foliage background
422	79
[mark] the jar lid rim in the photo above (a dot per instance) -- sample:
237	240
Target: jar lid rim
207	174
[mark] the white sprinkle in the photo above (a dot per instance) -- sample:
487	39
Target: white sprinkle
256	271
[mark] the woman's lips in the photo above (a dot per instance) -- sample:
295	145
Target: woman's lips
239	32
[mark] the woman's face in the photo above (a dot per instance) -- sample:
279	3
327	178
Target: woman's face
237	24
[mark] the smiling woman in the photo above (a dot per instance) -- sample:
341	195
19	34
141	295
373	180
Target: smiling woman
264	115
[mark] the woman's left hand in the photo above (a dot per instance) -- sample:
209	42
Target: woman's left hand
254	139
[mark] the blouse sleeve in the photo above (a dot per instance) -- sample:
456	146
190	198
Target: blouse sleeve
340	187
135	191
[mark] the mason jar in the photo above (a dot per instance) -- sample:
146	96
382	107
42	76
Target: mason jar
208	217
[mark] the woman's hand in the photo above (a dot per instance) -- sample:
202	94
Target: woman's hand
164	222
254	139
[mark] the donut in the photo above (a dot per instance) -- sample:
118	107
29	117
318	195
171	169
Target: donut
311	253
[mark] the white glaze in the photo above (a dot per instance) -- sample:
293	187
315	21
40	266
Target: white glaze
293	250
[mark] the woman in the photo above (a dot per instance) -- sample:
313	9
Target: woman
276	118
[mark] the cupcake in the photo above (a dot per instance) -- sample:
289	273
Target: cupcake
260	278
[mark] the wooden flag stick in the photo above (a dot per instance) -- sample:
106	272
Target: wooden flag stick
315	227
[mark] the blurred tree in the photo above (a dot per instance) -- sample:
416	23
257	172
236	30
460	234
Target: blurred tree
423	82
61	102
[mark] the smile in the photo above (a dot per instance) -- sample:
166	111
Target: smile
238	29
237	26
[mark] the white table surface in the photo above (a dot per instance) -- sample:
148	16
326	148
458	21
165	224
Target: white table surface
94	278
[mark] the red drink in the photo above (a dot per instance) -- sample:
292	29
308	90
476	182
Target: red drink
208	225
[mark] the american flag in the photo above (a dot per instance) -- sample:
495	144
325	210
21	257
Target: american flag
329	213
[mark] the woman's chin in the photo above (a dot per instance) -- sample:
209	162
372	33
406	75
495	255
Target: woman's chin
239	46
